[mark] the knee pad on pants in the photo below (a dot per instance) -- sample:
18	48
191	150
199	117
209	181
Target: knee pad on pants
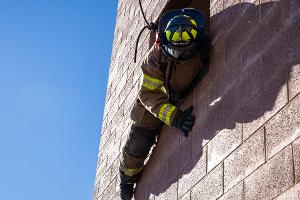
140	141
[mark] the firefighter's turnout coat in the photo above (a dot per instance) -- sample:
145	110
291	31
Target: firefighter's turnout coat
163	82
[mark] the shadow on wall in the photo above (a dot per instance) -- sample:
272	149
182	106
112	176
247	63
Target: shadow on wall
255	48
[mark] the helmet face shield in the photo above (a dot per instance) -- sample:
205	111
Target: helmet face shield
180	53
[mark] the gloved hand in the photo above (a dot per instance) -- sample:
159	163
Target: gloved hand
184	121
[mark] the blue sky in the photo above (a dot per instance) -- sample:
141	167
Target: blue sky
54	63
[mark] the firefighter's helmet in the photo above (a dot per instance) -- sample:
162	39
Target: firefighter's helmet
180	32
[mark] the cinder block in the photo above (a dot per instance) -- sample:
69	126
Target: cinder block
283	128
269	1
290	8
169	193
248	1
104	182
267	7
214	120
141	189
271	179
140	192
152	197
187	196
268	101
160	171
275	65
118	77
255	78
166	146
224	20
120	128
126	89
250	82
217	53
212	2
236	193
112	74
150	173
265	37
183	154
200	106
283	50
210	187
113	111
115	167
296	154
294	81
104	137
172	170
108	152
291	194
242	88
188	101
130	99
275	92
251	52
100	170
190	178
160	183
111	101
244	160
213	93
231	73
229	3
223	144
116	189
137	74
216	8
241	31
118	116
231	106
121	84
113	154
200	137
124	138
110	191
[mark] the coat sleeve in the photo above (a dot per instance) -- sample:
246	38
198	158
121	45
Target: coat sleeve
152	92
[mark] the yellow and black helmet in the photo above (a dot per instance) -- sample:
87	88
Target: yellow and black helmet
180	32
181	29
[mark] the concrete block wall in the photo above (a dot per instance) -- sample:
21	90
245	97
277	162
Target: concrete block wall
246	140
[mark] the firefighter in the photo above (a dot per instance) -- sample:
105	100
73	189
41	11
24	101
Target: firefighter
167	73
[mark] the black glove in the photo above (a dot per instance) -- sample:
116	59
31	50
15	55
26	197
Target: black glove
184	121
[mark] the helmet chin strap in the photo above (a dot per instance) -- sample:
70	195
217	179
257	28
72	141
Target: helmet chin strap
150	26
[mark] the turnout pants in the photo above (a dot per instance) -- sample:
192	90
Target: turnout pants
141	138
